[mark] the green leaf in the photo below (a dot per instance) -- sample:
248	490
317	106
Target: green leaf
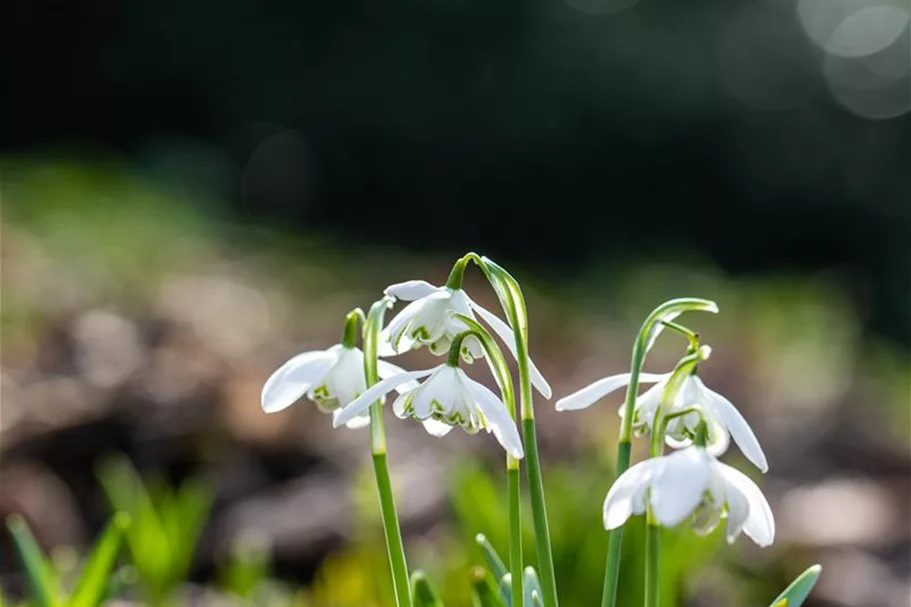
482	591
494	563
496	566
422	591
147	537
531	586
795	594
93	582
248	564
190	510
40	576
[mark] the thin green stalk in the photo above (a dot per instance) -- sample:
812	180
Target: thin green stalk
510	294
652	529
652	568
539	514
624	446
514	496
656	448
661	317
515	530
391	529
615	539
394	546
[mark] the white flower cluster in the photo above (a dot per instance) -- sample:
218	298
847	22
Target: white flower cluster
334	379
688	484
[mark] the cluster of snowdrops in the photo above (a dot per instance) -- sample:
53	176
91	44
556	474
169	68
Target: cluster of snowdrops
688	485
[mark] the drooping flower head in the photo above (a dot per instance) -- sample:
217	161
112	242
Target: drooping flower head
721	416
447	398
430	320
330	378
691	485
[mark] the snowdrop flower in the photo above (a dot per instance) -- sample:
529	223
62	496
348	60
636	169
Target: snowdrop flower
690	484
330	378
429	320
722	417
445	399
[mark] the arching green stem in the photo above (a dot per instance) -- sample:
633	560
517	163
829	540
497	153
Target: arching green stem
512	301
394	546
681	371
513	495
648	333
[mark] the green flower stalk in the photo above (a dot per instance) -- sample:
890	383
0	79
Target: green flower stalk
391	529
661	317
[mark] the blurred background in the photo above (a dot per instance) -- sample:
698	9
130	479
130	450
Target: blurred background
192	192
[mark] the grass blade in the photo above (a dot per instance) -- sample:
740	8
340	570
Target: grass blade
422	592
482	592
93	581
795	594
39	574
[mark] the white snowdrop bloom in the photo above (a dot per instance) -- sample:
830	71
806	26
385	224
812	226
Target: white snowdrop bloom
722	417
429	320
447	398
691	485
330	378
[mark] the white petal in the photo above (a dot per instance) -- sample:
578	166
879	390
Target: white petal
587	396
626	495
410	290
760	524
294	378
738	511
442	387
719	438
739	428
506	334
362	403
361	421
384	345
498	417
436	428
386	370
398	405
346	378
681	485
396	332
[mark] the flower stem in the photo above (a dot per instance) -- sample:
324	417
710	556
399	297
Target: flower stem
615	538
533	465
662	314
681	371
652	565
624	445
513	302
393	534
391	529
539	514
515	529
